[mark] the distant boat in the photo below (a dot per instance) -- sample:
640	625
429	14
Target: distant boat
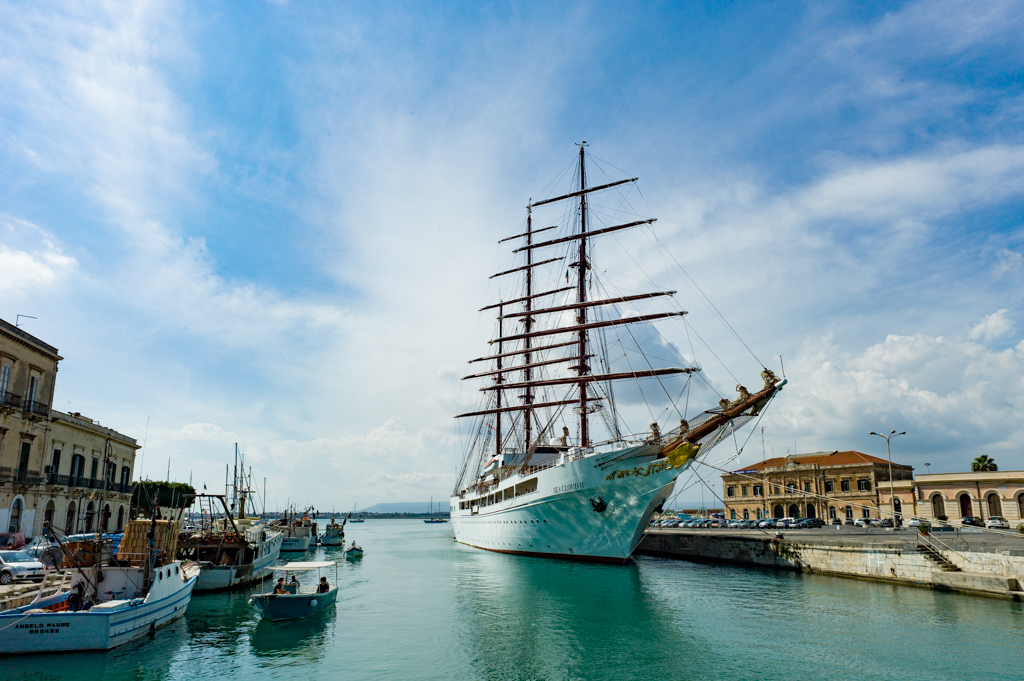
299	603
334	534
355	520
434	519
298	533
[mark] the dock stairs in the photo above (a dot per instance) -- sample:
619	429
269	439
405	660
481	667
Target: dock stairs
937	558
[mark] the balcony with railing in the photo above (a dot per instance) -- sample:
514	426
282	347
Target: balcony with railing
20	475
33	408
9	400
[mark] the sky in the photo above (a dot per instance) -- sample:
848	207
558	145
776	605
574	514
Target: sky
273	223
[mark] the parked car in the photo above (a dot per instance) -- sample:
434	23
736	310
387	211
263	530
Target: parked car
15	565
785	522
997	522
874	522
836	521
767	524
810	523
11	540
45	551
885	522
971	521
862	522
743	525
849	521
914	522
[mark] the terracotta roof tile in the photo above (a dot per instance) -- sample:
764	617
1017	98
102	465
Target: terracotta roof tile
822	459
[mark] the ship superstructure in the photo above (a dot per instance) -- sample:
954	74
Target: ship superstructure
560	352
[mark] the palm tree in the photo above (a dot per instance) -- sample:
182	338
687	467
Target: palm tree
983	463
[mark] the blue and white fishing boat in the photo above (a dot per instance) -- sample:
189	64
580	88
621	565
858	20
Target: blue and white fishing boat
298	602
567	342
126	604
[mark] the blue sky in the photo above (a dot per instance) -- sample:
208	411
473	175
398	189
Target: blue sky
272	223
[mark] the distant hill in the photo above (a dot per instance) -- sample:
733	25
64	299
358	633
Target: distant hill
407	507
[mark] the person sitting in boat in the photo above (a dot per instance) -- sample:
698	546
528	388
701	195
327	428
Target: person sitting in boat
280	588
353	546
324	587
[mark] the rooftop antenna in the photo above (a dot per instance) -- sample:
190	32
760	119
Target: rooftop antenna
18	318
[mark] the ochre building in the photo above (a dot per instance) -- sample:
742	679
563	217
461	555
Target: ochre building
816	485
62	468
952	496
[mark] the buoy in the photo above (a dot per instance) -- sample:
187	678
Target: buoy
312	603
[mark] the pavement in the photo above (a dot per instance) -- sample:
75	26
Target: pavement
966	539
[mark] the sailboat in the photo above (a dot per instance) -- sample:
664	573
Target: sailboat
355	520
556	359
433	519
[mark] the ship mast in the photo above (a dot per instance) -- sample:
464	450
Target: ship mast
528	326
581	295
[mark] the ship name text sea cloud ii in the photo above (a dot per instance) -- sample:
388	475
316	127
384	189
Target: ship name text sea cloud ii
551	466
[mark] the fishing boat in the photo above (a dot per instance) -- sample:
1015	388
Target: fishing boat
106	606
354	552
232	545
231	552
300	602
434	519
298	533
563	350
334	534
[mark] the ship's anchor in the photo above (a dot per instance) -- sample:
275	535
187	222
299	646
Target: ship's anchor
599	504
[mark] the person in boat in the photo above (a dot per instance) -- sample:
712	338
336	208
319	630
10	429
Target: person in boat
324	587
293	585
353	546
280	588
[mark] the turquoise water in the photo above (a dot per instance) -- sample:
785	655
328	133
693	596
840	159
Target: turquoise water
420	606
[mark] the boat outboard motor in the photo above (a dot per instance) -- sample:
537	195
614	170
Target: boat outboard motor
599	504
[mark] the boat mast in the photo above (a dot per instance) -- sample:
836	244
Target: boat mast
499	381
528	326
581	295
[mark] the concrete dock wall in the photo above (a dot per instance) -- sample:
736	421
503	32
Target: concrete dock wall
901	561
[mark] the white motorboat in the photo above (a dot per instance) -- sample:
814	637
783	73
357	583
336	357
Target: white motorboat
125	607
354	551
298	602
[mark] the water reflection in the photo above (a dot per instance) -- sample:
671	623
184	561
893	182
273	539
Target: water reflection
529	618
299	639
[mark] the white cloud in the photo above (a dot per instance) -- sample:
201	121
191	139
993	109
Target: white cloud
995	325
30	260
953	397
1009	263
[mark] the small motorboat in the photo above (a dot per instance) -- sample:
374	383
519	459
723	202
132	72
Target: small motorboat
298	603
354	551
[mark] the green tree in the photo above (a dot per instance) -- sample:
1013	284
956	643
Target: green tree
166	494
983	463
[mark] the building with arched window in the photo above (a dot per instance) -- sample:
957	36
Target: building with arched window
952	496
52	464
818	485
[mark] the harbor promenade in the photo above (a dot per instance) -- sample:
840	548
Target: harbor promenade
973	562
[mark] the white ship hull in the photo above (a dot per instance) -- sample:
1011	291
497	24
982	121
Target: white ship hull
219	577
561	518
107	625
295	544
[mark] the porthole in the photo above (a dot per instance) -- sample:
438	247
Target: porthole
159	575
175	569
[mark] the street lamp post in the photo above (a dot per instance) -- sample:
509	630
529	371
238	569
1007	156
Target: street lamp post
888	452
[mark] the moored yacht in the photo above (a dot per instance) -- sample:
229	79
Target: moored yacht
564	354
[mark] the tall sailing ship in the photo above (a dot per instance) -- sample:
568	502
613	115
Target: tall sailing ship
560	352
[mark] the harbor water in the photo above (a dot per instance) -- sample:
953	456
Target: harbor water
420	606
